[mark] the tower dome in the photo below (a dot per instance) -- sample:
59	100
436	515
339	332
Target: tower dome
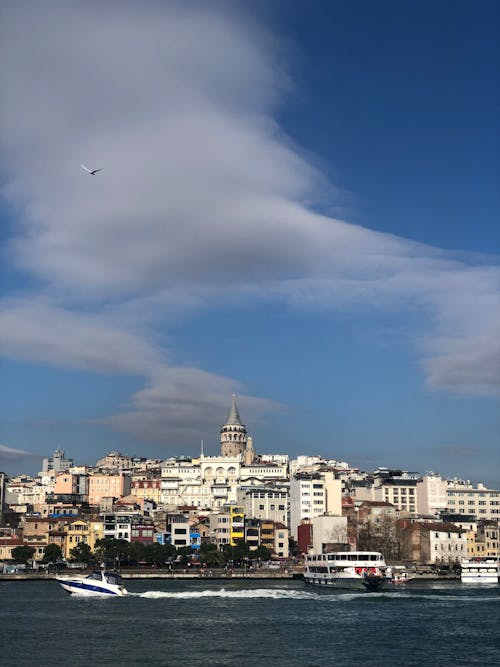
233	434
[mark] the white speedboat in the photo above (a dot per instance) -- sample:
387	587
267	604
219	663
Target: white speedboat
99	583
361	570
479	571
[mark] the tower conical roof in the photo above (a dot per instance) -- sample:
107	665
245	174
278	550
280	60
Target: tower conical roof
234	416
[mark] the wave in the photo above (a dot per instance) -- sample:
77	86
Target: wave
325	597
275	593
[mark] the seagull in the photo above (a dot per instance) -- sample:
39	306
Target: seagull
92	172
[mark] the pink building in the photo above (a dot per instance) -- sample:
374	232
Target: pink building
66	483
107	486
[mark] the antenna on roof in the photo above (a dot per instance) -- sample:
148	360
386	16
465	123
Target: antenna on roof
201	452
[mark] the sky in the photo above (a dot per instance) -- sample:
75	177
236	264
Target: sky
298	204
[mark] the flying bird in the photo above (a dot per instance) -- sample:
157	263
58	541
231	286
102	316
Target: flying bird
92	172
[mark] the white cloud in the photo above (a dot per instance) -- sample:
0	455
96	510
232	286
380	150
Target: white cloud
202	200
10	454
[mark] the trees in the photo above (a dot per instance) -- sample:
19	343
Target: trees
384	535
23	553
51	553
262	552
82	553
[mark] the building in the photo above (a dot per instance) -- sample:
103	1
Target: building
127	525
237	525
3	490
220	528
431	494
57	463
313	494
178	530
114	462
86	531
397	487
262	502
463	498
107	486
328	533
435	543
234	440
281	535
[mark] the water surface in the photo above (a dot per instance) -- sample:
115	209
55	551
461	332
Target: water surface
249	623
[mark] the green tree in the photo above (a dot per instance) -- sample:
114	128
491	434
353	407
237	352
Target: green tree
51	553
109	549
213	558
262	552
23	554
82	553
185	553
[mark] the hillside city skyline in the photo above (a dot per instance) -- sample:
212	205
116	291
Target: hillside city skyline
310	223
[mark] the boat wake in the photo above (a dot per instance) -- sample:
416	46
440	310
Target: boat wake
276	594
325	597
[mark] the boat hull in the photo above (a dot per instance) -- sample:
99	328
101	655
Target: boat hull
480	572
348	583
86	588
351	570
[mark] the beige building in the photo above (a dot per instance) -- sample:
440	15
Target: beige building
87	531
263	502
391	486
328	530
147	489
463	498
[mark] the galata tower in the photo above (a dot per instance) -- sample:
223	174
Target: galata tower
233	434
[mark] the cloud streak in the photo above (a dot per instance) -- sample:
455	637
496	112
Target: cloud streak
9	454
202	201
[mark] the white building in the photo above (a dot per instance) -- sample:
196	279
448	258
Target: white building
312	495
463	498
431	494
391	486
447	545
328	530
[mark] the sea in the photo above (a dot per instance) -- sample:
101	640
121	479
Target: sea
253	623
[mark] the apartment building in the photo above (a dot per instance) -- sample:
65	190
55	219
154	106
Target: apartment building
107	486
262	502
463	498
313	494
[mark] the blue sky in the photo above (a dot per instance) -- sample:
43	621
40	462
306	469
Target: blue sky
298	204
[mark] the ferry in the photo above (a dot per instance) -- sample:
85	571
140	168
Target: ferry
358	570
479	571
99	583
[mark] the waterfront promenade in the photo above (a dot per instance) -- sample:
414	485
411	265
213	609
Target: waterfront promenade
208	573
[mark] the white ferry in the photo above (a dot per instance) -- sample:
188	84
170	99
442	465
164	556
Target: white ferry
358	570
99	583
479	571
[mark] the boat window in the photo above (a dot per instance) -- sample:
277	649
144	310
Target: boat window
95	575
373	557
